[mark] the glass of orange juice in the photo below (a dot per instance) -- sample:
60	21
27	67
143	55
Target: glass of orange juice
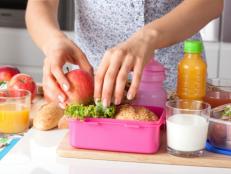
14	111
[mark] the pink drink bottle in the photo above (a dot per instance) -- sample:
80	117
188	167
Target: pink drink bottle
151	91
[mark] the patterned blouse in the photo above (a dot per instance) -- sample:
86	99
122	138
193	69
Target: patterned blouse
102	24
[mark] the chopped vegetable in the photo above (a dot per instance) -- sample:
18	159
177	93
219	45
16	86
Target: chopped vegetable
226	115
95	111
227	111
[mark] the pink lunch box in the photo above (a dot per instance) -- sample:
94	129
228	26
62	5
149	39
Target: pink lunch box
117	135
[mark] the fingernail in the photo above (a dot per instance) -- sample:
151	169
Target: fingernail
61	105
65	87
117	101
61	98
129	96
105	103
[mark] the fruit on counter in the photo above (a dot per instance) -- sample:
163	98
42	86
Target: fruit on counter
7	72
23	81
79	111
48	116
129	112
81	87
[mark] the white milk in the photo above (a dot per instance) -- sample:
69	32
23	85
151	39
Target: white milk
186	132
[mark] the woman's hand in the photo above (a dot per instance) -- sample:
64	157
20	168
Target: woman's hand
117	62
59	51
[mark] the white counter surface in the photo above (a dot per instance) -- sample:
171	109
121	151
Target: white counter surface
35	153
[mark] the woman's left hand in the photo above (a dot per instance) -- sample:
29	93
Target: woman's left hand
117	62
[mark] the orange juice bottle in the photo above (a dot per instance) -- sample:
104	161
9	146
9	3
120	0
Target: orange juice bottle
192	71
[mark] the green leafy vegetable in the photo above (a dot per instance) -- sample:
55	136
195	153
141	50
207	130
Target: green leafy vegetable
95	111
227	111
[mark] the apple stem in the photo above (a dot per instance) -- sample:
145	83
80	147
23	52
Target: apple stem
68	70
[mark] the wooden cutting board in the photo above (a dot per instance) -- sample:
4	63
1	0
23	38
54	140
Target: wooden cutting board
208	160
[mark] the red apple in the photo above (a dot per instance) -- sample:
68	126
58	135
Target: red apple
23	81
7	72
81	87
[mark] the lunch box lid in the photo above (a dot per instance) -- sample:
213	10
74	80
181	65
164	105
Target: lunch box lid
214	149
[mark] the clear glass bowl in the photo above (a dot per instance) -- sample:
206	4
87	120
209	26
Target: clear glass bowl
219	134
218	92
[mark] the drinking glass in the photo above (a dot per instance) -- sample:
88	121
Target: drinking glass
14	111
187	127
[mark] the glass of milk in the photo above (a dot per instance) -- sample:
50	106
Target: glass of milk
187	127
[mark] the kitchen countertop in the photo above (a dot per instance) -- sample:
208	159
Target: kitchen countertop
35	153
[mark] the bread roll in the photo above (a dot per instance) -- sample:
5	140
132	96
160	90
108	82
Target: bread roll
129	112
48	116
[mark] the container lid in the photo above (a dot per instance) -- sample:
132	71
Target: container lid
154	65
193	46
211	148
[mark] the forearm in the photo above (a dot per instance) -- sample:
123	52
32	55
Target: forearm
182	22
41	20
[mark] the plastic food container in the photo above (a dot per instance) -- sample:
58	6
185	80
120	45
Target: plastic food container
219	134
218	92
117	135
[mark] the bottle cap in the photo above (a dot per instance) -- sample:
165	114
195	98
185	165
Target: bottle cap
193	46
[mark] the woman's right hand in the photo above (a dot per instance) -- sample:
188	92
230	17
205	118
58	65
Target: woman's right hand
59	51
